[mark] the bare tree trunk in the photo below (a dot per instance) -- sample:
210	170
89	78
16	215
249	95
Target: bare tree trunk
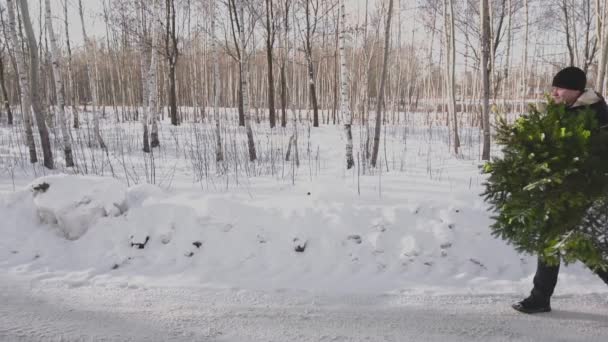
72	83
244	84
219	155
451	69
345	112
293	140
524	71
7	105
24	83
564	8
144	69
310	30
508	56
598	22
603	62
39	111
380	99
153	93
284	41
485	75
234	19
59	87
172	55
92	79
270	34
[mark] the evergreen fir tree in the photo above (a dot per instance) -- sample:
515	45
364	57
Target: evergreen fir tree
549	188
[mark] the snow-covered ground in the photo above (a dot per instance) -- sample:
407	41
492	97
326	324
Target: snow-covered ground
271	252
159	314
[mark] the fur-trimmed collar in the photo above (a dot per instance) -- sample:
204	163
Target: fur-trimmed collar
587	98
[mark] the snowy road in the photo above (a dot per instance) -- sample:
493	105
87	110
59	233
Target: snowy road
34	311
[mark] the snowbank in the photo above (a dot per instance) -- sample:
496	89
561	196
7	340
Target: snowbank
75	203
82	230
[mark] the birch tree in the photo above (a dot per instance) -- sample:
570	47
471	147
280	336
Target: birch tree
380	98
72	83
485	75
450	67
172	54
283	47
59	86
244	64
603	61
524	71
7	105
219	155
39	111
144	70
91	50
153	93
235	23
311	27
345	112
24	83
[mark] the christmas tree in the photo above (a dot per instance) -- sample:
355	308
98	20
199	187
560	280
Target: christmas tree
549	189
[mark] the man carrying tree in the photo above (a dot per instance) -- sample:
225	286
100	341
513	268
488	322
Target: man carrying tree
549	187
568	90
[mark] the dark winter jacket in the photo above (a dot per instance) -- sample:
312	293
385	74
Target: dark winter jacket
594	101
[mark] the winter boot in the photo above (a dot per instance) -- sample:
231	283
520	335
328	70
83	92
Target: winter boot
532	305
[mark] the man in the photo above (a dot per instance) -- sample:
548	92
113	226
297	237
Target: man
569	89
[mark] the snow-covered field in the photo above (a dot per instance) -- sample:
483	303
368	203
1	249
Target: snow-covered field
269	251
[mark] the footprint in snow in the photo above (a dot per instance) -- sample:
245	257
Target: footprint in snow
355	238
299	245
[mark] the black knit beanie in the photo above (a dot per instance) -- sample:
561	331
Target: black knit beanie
570	78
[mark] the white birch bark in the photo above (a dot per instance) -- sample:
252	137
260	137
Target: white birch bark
219	155
599	84
59	86
524	71
485	59
245	81
37	107
144	68
452	75
24	83
345	112
153	94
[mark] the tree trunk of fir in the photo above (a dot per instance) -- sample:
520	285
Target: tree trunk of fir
24	82
59	87
380	100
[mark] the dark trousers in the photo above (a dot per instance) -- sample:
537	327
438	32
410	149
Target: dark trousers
546	279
